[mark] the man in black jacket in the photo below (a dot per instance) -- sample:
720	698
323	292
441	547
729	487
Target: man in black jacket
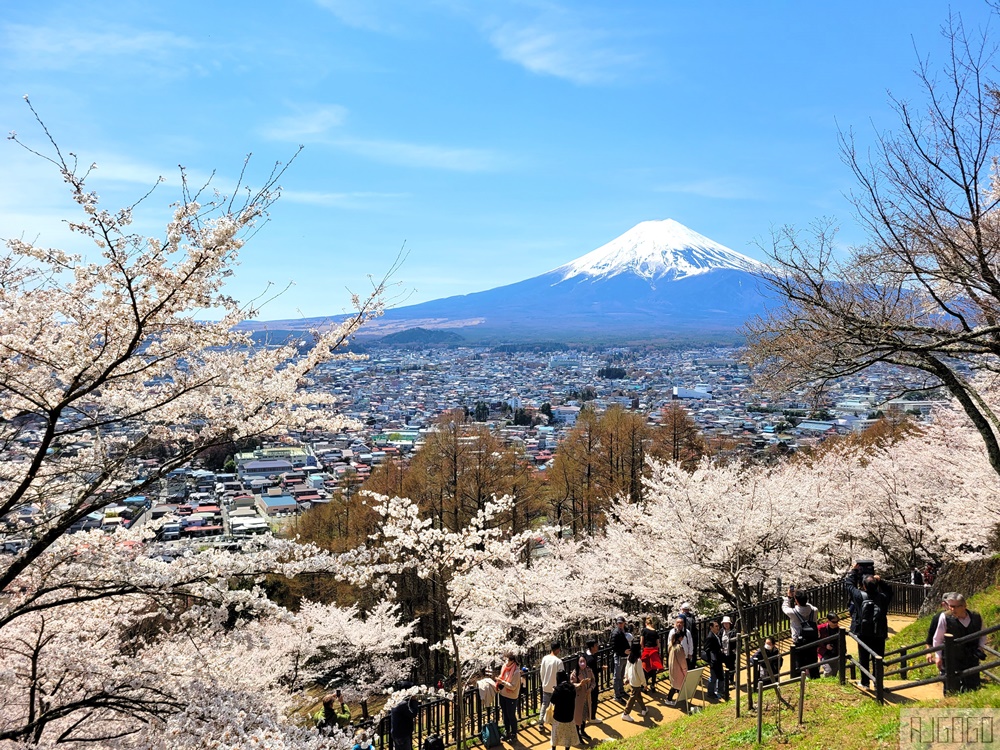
717	688
869	622
401	724
619	647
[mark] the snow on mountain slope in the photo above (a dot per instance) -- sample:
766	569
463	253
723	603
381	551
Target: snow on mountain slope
656	250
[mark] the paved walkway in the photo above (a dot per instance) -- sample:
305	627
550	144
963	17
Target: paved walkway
612	727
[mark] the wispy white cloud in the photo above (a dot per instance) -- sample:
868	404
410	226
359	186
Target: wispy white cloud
321	125
432	156
561	47
306	124
722	188
370	15
60	48
542	36
351	200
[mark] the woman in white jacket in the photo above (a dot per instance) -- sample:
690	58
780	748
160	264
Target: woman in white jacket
637	679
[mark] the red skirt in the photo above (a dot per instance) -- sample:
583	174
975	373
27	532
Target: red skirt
651	661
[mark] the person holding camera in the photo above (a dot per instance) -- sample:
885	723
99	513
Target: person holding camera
803	618
869	621
335	715
960	621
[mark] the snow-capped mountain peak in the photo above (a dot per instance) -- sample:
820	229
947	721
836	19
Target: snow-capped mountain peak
657	250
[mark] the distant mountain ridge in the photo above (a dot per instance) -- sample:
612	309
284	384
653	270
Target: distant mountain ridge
657	281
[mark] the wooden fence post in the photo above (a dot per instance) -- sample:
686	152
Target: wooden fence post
878	670
739	668
952	681
842	656
802	696
760	712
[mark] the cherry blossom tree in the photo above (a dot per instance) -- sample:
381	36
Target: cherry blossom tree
109	355
102	641
410	542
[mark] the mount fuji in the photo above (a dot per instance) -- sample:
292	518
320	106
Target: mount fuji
657	281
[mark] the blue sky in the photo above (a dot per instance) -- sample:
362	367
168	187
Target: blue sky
496	139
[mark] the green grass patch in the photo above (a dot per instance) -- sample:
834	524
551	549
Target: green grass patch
835	717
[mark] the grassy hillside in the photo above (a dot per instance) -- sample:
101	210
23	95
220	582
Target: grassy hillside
835	717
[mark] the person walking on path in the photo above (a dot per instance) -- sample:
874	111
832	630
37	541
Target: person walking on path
637	681
583	680
550	668
831	650
563	709
591	655
870	624
691	622
932	628
620	647
677	666
651	660
509	688
803	618
680	626
730	650
961	621
717	689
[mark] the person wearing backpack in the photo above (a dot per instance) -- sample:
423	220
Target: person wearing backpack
871	607
804	620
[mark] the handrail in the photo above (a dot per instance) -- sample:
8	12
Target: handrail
814	644
909	656
865	645
979	668
977	634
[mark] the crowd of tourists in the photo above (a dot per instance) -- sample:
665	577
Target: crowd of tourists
569	694
569	697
